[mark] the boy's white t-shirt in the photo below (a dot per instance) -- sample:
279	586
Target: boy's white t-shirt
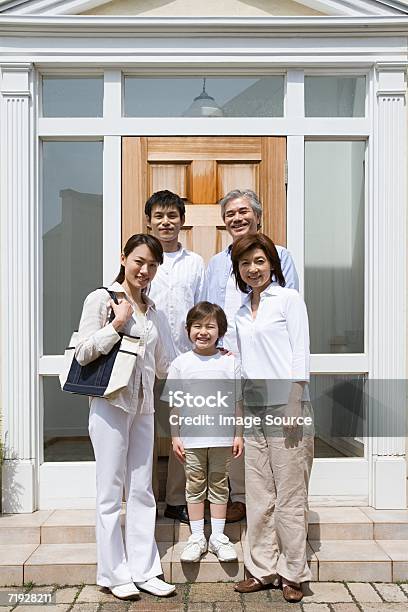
190	366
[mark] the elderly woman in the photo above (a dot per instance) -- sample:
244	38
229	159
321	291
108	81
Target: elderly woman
273	338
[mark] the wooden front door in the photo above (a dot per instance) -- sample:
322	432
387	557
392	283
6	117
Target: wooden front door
202	169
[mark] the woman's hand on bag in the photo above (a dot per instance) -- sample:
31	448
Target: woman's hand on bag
237	447
123	311
178	449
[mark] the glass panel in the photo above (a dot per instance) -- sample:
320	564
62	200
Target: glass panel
199	97
340	405
334	245
72	235
65	424
331	96
72	96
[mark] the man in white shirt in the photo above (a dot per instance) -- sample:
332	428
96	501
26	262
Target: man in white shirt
241	212
179	284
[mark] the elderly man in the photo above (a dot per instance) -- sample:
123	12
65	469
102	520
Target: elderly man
241	212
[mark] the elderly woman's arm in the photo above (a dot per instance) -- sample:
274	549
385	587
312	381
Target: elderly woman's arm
95	338
297	324
298	329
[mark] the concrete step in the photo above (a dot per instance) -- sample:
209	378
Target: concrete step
58	546
78	526
330	560
71	564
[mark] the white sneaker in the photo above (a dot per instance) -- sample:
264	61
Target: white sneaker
196	546
124	591
221	546
156	586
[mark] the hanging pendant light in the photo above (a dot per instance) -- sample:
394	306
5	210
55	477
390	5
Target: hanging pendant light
203	105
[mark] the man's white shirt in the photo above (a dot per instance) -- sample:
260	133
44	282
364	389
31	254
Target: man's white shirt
179	284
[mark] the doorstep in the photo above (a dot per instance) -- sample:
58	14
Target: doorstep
58	546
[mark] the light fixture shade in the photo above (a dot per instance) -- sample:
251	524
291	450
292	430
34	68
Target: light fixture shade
203	106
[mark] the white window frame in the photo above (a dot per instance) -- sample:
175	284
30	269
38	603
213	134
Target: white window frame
296	127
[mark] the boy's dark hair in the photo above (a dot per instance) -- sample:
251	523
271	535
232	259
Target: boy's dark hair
165	199
203	310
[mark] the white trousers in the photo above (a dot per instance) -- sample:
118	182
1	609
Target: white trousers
123	447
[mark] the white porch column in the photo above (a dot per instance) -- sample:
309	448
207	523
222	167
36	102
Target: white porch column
18	384
388	287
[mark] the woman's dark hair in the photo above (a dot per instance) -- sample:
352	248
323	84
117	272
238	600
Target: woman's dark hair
136	240
248	243
203	310
165	199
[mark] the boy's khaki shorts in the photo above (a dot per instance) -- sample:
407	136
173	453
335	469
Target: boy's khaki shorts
207	474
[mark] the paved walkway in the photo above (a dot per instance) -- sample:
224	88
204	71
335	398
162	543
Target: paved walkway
220	597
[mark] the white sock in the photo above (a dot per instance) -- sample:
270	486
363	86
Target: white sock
197	527
217	526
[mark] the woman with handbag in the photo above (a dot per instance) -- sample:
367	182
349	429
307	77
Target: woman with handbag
121	425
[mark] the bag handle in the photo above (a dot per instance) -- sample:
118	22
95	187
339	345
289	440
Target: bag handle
115	299
112	314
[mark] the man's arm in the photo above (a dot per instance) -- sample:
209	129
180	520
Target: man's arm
209	281
289	270
201	287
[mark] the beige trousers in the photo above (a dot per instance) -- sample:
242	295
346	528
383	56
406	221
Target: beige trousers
237	479
207	474
277	472
176	481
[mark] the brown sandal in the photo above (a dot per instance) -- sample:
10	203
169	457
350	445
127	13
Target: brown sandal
250	585
292	593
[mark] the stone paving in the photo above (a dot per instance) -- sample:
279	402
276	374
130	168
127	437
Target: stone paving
220	597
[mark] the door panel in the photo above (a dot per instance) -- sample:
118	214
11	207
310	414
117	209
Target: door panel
202	170
174	176
187	148
229	175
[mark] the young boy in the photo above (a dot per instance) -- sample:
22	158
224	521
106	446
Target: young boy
179	284
206	458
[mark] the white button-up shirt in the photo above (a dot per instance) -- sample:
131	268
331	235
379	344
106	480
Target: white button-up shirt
98	338
274	345
179	284
222	289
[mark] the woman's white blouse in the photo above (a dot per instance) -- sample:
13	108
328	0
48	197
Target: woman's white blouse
156	347
275	345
